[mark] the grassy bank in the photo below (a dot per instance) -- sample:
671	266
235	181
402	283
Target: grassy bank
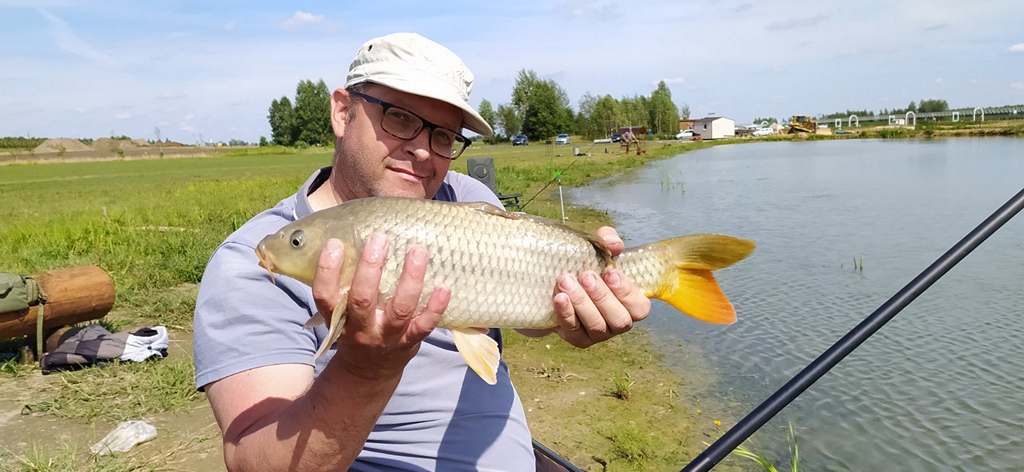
152	224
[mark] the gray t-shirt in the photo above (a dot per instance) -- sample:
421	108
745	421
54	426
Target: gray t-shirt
441	416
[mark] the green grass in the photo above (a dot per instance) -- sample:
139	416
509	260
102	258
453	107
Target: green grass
119	391
70	459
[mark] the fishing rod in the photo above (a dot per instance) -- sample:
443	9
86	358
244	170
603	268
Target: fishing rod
557	175
826	361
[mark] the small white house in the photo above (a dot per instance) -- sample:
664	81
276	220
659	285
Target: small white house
714	127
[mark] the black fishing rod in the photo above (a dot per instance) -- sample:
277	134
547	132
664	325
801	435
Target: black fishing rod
825	362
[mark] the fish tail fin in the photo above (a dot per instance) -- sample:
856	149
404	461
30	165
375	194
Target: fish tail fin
687	283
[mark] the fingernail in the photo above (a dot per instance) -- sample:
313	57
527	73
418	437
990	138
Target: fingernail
566	282
417	254
333	247
589	280
613	277
377	242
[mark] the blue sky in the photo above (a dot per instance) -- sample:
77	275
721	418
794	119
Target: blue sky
191	69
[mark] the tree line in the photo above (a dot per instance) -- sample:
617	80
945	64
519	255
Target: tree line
538	108
922	106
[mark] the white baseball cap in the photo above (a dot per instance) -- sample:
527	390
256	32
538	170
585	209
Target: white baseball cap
411	63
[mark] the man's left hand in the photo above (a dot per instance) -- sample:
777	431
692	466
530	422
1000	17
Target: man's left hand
592	308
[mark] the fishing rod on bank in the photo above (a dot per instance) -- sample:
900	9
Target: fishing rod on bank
558	174
827	360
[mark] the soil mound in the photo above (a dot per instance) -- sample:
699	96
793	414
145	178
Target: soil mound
61	145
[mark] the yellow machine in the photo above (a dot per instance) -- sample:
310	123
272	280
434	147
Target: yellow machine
802	124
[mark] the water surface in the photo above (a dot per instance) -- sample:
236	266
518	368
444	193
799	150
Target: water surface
941	387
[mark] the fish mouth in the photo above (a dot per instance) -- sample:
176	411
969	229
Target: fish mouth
266	261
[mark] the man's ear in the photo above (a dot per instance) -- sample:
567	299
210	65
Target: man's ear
341	102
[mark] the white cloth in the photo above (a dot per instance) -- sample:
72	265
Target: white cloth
145	343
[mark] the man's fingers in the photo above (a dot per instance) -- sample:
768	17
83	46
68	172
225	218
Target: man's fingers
611	240
631	297
327	281
427	320
589	316
402	306
568	325
362	297
611	310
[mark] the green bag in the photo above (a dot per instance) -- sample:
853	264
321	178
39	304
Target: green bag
18	292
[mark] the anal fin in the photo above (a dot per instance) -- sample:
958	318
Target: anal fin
480	352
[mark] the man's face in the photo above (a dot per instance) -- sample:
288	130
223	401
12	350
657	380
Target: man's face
369	161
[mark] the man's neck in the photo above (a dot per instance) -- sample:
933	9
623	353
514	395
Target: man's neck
324	197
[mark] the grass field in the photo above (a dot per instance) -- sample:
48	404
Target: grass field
152	224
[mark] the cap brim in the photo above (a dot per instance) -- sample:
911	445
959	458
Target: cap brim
425	86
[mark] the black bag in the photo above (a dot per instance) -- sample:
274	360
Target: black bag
18	292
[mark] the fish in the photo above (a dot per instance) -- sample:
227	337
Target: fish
501	267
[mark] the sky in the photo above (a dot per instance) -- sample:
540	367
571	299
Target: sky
192	70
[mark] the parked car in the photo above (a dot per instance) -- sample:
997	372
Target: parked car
520	140
687	134
616	137
562	139
763	132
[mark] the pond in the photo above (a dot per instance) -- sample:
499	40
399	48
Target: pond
841	226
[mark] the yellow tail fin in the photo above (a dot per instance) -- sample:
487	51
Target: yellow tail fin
689	285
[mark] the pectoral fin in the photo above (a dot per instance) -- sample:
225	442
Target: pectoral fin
480	352
337	325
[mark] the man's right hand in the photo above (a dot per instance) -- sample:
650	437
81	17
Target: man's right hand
378	341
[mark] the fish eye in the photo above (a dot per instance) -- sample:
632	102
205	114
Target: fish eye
297	239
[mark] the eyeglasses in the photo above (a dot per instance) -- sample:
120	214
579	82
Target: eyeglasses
404	124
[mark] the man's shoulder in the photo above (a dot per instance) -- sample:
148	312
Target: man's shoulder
468	189
266	222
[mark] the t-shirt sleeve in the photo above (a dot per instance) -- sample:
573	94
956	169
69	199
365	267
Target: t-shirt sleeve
244	320
468	189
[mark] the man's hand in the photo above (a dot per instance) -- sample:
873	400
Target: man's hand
378	341
594	308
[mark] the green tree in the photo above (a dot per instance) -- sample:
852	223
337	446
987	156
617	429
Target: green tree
487	113
684	111
313	113
912	107
932	105
282	122
664	116
585	124
607	115
526	82
769	120
547	111
263	141
509	120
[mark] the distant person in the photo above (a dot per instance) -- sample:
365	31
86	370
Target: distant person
393	394
628	138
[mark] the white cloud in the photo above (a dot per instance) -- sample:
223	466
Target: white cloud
70	42
673	81
124	115
938	80
1017	85
301	19
230	26
1019	47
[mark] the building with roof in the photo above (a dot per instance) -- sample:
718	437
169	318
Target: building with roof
714	127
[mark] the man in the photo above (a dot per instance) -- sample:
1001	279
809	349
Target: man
394	394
